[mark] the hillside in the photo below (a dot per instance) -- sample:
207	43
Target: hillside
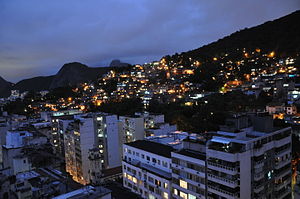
69	75
74	73
5	87
34	84
281	35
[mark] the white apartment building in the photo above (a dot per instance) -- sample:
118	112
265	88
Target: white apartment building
132	128
91	142
246	163
189	170
249	164
147	169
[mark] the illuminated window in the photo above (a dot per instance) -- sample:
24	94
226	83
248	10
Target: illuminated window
134	180
151	196
192	196
165	195
165	185
175	191
183	195
129	177
183	184
99	118
125	175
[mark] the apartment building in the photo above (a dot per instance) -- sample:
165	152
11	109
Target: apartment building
249	164
132	128
147	169
253	161
91	145
57	128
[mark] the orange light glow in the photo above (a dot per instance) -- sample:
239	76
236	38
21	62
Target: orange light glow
271	54
188	72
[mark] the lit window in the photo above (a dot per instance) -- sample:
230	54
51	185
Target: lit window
165	185
99	118
151	196
192	196
165	195
134	180
183	195
129	177
175	191
183	184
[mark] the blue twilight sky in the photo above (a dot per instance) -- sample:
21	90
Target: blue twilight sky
37	37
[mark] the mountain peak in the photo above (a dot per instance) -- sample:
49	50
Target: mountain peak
117	63
72	66
73	73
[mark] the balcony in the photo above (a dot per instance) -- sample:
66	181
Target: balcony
259	188
222	180
282	163
282	193
281	152
259	164
220	167
281	185
259	176
222	192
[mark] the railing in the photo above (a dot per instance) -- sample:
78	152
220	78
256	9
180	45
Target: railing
259	175
223	179
223	191
282	151
281	185
222	166
258	188
259	164
282	163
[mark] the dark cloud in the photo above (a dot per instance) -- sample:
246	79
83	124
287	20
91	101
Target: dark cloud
38	37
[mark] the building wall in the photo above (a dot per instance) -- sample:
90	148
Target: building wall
113	150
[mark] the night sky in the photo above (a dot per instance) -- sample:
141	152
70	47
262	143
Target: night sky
38	37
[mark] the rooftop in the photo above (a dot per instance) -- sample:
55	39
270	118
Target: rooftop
85	192
152	147
192	154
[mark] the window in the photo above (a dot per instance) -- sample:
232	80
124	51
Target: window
183	195
148	158
165	185
134	180
153	160
143	156
150	179
165	164
129	177
192	196
165	195
176	192
151	196
157	182
183	184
